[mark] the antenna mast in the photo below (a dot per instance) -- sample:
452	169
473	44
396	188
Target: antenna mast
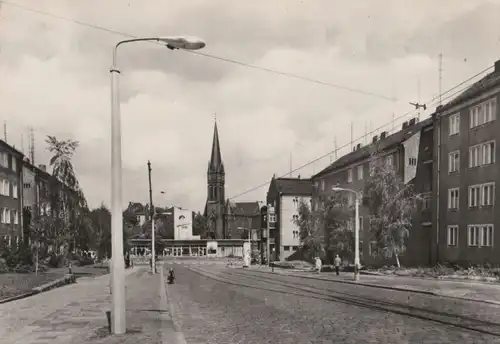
351	134
335	144
32	146
440	78
290	164
5	131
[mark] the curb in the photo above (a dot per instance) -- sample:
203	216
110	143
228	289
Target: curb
371	285
67	279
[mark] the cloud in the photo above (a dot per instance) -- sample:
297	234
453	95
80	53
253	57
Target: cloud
55	77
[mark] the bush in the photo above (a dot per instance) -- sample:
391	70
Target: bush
55	261
21	255
3	266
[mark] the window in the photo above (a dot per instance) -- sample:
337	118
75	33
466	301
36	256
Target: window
14	189
388	160
482	154
349	175
16	217
482	113
412	161
295	248
488	153
322	185
6	188
426	202
481	195
372	249
272	218
295	234
487	235
480	235
14	164
474	196
4	159
452	235
361	248
454	124
295	217
473	235
487	194
361	223
286	248
7	215
453	161
350	198
360	172
453	198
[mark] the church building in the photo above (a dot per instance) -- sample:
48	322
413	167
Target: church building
227	219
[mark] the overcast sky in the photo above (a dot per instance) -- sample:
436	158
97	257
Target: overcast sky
54	76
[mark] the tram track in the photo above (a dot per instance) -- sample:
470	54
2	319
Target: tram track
274	284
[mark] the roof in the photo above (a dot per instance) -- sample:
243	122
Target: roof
485	84
9	147
293	186
216	157
244	208
364	152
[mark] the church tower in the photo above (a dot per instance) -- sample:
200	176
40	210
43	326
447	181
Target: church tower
214	208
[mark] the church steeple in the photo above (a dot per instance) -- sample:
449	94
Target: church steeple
214	208
216	164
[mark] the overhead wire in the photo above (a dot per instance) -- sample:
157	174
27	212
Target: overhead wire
432	101
269	70
214	57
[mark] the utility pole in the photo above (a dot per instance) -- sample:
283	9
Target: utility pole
152	214
270	211
5	131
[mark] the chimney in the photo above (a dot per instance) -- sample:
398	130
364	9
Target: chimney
412	122
358	146
43	167
497	66
375	138
298	177
383	135
354	148
404	126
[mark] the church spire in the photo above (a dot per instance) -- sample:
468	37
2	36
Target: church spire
216	163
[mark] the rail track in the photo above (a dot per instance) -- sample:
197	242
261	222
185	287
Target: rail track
275	284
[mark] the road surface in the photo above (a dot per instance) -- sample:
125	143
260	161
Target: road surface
218	304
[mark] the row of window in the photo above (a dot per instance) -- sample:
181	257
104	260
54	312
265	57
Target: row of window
8	216
4	161
480	195
479	155
389	160
5	188
477	235
478	115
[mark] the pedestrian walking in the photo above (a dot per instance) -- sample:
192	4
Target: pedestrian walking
318	264
337	262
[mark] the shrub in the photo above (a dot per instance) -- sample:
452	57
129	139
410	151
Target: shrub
55	261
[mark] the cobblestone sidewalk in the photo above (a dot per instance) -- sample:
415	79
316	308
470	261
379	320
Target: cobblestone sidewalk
75	314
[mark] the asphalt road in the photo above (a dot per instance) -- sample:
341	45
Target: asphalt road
216	304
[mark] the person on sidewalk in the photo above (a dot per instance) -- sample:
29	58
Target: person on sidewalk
318	264
337	262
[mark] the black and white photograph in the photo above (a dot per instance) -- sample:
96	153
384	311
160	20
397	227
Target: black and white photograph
249	172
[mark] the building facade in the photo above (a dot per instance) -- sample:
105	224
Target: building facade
466	173
11	181
285	195
183	224
409	151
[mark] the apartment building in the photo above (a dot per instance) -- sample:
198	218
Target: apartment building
466	174
10	194
410	152
35	193
284	195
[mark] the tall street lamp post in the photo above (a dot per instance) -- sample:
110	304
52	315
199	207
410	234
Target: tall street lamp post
356	229
118	266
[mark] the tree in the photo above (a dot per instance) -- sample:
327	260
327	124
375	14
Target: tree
101	222
326	228
40	232
391	203
67	201
200	225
